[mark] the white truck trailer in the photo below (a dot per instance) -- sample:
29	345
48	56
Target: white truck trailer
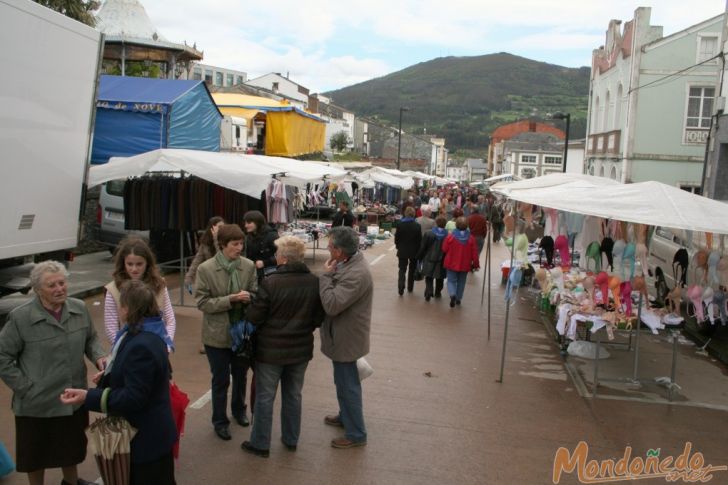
50	67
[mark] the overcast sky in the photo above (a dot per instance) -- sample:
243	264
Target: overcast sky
328	44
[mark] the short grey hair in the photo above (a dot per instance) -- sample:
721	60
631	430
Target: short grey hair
291	248
426	210
50	266
346	239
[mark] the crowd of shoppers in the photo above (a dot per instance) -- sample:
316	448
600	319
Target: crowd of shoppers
237	275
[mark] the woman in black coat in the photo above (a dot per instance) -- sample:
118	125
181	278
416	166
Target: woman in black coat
407	239
135	385
432	258
260	245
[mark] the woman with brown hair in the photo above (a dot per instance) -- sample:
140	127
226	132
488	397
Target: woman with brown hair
260	245
226	285
206	250
134	260
135	385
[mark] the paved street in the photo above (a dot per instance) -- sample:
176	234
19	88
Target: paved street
433	408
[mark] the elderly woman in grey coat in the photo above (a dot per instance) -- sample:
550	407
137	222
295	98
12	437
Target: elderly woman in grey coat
41	353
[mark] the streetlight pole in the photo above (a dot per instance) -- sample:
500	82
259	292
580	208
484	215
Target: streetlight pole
567	117
399	138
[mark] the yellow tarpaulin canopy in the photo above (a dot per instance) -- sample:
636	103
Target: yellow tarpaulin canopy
289	131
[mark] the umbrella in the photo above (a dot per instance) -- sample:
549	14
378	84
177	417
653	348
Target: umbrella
110	440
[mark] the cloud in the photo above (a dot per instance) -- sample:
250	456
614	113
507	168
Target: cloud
329	43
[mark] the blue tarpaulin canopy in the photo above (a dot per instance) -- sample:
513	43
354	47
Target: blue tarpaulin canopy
135	115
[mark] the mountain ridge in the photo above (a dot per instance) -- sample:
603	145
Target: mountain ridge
464	98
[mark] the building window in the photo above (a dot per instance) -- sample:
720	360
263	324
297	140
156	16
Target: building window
208	76
230	80
218	79
700	110
197	74
528	158
692	188
240	80
707	47
275	87
551	160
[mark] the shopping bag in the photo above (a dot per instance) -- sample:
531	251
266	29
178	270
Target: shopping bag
6	462
364	369
179	402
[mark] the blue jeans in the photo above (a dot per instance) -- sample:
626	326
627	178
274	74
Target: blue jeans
266	384
351	408
223	364
456	283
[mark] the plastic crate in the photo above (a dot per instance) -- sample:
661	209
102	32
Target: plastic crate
386	226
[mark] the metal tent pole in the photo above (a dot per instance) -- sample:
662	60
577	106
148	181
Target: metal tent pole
181	268
482	291
508	307
490	268
635	370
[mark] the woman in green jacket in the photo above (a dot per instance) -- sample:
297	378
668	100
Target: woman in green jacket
41	353
225	287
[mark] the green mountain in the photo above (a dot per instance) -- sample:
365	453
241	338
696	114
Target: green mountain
465	98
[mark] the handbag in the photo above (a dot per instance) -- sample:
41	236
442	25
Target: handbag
419	275
242	336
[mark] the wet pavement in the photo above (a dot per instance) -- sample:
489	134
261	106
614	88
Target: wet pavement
433	409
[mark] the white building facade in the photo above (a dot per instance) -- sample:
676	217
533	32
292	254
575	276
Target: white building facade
651	101
218	76
278	84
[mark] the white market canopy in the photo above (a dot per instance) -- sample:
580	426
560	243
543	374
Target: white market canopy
651	203
505	176
247	174
419	175
551	180
393	178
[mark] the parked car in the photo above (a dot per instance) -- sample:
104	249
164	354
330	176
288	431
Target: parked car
111	215
664	244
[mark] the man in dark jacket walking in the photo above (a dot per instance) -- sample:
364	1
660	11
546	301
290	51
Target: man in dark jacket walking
286	312
407	239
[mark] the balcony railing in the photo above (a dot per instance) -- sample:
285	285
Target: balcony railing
607	143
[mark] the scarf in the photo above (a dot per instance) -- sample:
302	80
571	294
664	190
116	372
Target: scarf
234	285
439	232
407	219
461	236
153	325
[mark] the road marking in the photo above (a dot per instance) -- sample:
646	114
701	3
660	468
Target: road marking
377	259
200	403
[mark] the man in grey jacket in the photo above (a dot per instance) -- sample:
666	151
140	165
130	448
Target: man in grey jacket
346	294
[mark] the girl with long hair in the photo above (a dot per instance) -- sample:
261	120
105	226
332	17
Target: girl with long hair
134	260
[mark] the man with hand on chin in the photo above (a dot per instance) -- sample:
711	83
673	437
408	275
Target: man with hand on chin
346	291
